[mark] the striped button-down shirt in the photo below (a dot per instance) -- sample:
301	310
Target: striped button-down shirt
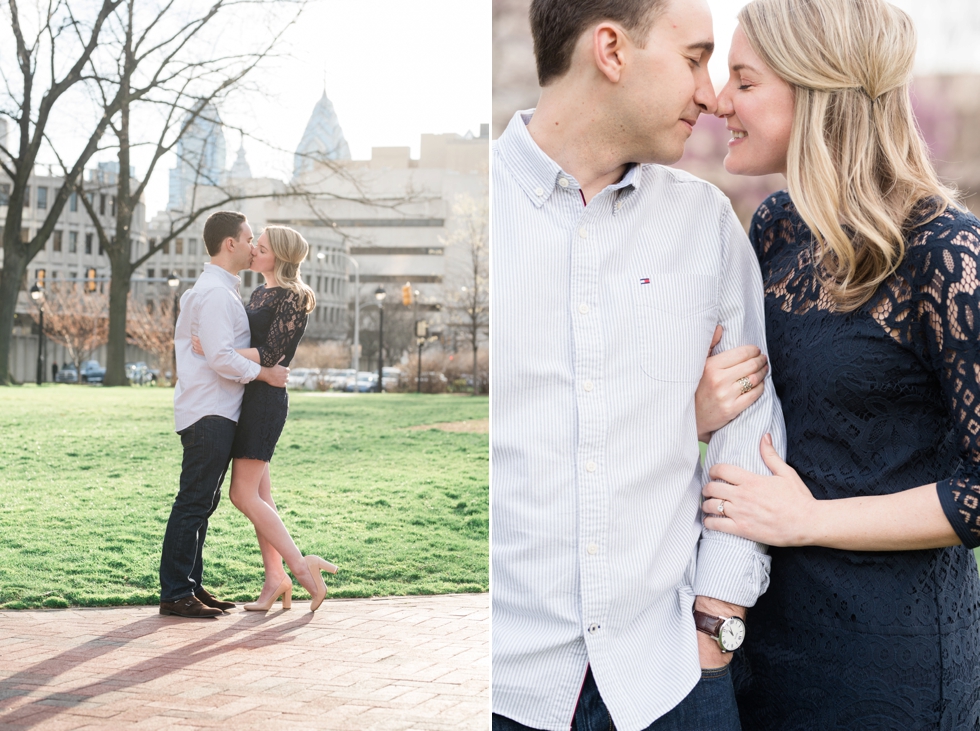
602	318
211	384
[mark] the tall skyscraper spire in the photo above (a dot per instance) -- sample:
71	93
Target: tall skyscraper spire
323	139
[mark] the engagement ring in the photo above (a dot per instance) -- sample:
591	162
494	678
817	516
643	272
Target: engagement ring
721	507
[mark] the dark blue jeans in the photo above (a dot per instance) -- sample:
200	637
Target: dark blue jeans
709	707
207	452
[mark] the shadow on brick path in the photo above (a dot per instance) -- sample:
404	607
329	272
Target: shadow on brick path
393	663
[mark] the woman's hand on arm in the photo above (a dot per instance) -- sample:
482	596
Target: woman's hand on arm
251	353
781	511
719	397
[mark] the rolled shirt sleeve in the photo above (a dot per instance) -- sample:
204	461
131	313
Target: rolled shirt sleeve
731	568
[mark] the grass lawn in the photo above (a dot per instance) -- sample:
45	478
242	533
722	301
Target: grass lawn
88	475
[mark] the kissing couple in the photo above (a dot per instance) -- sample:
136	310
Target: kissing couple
816	571
230	405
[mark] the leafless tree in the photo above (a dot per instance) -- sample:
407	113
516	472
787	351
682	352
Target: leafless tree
155	65
76	319
468	287
150	326
52	46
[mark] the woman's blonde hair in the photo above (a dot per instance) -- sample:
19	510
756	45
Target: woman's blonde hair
857	166
290	249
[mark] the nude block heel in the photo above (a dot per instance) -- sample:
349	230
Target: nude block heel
316	565
284	590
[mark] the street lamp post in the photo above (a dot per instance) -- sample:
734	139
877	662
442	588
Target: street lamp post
379	294
355	356
37	294
421	332
173	281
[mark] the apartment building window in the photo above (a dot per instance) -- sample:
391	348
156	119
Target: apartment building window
88	243
27	197
192	274
42	198
25	235
248	279
166	248
73	242
101	204
151	273
112	206
192	247
56	239
73	202
101	247
4	194
178	246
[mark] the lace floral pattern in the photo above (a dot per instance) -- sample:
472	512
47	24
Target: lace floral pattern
277	322
876	401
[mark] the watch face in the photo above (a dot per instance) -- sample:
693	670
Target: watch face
732	634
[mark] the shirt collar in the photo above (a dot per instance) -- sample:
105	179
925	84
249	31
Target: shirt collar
536	173
232	280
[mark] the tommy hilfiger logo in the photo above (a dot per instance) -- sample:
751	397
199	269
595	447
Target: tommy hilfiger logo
645	280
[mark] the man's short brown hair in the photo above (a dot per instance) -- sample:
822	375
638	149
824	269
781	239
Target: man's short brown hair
219	226
558	24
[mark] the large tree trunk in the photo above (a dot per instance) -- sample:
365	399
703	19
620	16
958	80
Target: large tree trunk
115	373
14	266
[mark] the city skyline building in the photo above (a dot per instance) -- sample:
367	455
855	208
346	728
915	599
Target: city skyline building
200	156
323	139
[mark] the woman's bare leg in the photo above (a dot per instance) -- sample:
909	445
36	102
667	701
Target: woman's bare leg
274	571
246	479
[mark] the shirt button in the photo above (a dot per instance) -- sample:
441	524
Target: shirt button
583	232
583	308
590	466
593	628
587	385
563	182
539	191
593	549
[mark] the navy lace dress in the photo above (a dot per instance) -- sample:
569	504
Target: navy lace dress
876	401
277	322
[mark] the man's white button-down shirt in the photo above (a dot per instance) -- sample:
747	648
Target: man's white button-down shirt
211	384
602	317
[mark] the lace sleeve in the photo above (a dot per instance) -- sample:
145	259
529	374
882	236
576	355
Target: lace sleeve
769	221
288	324
946	291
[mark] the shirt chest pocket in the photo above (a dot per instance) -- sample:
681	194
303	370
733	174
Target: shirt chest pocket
676	316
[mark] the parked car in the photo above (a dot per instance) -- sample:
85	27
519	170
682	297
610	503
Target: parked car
139	373
364	383
391	378
303	378
67	374
92	372
340	378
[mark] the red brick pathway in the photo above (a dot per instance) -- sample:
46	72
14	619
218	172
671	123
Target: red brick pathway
396	664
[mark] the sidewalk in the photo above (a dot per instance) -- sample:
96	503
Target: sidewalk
395	663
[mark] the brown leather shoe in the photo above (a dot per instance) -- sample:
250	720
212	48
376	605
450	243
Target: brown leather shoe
209	600
189	606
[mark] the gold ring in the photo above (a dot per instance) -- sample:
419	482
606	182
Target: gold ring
746	385
721	507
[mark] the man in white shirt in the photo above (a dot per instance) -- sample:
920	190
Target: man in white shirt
207	403
610	273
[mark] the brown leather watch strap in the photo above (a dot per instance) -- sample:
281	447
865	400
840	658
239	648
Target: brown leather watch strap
708	623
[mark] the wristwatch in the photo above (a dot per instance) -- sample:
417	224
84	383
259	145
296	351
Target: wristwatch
729	632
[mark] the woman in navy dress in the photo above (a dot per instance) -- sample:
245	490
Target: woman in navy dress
277	314
872	617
